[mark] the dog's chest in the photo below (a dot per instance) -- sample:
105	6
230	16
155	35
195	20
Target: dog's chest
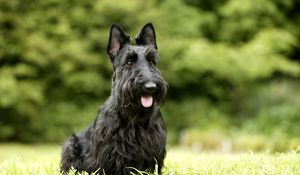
138	142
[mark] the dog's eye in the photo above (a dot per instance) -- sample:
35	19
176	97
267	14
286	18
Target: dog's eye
152	63
129	63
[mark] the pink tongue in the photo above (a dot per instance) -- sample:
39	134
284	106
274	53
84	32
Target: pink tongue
147	101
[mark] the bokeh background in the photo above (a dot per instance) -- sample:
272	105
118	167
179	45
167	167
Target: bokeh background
232	67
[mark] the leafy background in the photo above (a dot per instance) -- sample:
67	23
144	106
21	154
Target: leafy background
232	66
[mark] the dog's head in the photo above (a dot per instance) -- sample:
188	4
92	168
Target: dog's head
136	81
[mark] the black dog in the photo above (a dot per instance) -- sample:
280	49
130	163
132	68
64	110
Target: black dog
129	132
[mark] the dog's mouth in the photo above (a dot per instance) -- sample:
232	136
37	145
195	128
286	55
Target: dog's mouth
147	101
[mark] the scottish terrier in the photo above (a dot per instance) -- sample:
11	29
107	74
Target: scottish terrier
128	133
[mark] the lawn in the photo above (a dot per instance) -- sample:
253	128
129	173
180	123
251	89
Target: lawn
16	159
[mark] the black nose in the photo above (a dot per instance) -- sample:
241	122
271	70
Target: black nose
150	87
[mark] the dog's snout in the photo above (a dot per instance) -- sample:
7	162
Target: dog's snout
150	87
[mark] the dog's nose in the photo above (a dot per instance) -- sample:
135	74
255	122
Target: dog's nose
150	87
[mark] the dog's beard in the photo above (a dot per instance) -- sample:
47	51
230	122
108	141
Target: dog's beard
130	96
134	99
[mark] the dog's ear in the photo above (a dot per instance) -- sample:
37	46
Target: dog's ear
146	36
117	39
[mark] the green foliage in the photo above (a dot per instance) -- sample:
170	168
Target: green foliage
220	57
278	112
236	140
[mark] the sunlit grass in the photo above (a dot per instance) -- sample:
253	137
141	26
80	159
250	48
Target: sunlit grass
44	160
29	152
186	162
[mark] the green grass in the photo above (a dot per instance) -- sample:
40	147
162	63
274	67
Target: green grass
18	159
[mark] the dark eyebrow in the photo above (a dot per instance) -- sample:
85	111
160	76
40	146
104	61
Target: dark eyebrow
151	53
131	55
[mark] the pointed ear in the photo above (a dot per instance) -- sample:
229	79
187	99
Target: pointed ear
117	39
146	36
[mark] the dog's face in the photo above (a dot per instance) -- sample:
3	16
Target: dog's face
136	80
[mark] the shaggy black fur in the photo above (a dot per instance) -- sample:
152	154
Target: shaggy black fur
125	133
